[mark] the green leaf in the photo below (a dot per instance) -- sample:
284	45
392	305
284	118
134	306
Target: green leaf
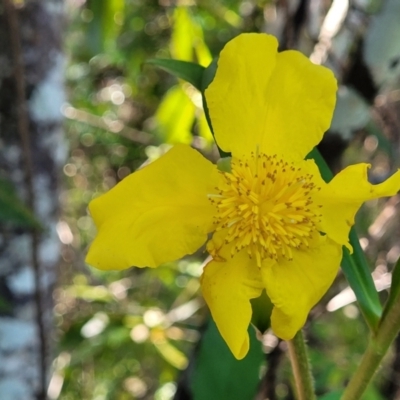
188	71
325	171
208	77
360	280
12	210
218	375
355	267
332	396
261	312
394	289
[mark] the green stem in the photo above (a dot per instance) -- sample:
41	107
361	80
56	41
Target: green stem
301	367
377	348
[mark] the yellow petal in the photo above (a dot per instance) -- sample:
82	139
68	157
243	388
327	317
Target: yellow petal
294	287
279	103
236	98
155	215
300	102
227	288
344	195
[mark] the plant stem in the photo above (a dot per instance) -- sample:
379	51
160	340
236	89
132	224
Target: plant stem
301	367
376	350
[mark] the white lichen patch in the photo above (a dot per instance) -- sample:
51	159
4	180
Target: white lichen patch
44	199
23	282
49	249
16	334
48	97
14	389
56	145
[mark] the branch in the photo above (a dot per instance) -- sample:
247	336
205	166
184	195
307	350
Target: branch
24	136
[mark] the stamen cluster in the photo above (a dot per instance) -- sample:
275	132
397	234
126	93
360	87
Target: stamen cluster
265	205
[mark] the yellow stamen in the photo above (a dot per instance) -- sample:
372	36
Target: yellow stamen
266	206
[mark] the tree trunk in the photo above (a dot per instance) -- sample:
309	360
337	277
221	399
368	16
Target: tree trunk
31	155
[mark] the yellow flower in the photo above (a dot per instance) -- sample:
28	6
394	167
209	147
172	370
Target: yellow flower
276	224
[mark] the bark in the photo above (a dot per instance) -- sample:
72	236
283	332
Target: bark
31	155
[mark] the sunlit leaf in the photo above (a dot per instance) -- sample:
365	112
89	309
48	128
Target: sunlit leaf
171	354
107	18
187	38
175	117
89	293
112	19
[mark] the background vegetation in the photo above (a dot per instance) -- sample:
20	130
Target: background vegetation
129	335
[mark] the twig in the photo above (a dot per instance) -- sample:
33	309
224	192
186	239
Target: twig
115	126
268	383
23	132
330	27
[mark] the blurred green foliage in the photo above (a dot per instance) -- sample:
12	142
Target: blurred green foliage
12	211
128	335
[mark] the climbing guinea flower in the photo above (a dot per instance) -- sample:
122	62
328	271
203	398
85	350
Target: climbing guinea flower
269	222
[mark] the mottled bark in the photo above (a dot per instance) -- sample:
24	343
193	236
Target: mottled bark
31	154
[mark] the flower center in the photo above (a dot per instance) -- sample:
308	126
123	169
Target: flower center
265	205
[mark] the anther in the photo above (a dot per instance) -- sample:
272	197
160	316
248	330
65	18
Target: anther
267	213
